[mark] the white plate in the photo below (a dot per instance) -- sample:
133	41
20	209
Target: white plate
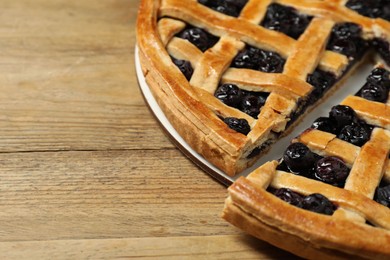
351	86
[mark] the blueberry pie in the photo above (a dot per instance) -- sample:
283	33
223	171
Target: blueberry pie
233	75
328	195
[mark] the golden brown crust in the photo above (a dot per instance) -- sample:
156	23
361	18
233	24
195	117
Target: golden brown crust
191	118
344	234
320	232
191	105
194	112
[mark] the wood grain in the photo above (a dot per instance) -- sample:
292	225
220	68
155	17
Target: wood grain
85	170
211	247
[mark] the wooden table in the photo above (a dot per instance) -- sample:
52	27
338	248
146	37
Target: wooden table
86	172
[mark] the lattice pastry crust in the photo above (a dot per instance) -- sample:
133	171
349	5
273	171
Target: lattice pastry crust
191	105
345	233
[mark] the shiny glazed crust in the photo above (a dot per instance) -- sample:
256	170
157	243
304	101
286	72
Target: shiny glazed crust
195	122
191	107
194	112
343	235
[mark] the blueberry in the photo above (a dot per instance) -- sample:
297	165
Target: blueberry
251	103
238	124
238	3
184	66
374	92
379	76
355	134
318	203
372	8
383	48
258	59
321	80
342	116
248	58
346	31
229	94
345	39
324	124
199	37
345	47
299	159
289	196
382	195
270	62
285	19
331	170
228	7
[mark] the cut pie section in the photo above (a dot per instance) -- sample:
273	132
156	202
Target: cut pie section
328	195
233	76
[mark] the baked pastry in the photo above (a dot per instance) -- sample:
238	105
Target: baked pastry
329	194
233	75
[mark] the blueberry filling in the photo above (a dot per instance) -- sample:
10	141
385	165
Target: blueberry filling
248	102
289	196
383	48
229	94
321	81
299	159
199	37
228	7
314	202
343	120
355	134
238	124
342	115
371	8
370	91
286	20
377	86
382	195
252	102
344	123
324	124
346	39
184	66
379	76
258	59
331	170
318	203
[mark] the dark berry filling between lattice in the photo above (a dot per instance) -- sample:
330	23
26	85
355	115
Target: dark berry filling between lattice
259	59
285	19
371	8
202	39
377	86
300	160
382	194
315	202
184	66
228	7
346	39
249	102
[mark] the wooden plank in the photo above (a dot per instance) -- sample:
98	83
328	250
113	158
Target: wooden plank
205	247
82	126
120	190
118	194
68	78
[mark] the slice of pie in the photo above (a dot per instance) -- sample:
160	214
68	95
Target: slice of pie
329	194
233	75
